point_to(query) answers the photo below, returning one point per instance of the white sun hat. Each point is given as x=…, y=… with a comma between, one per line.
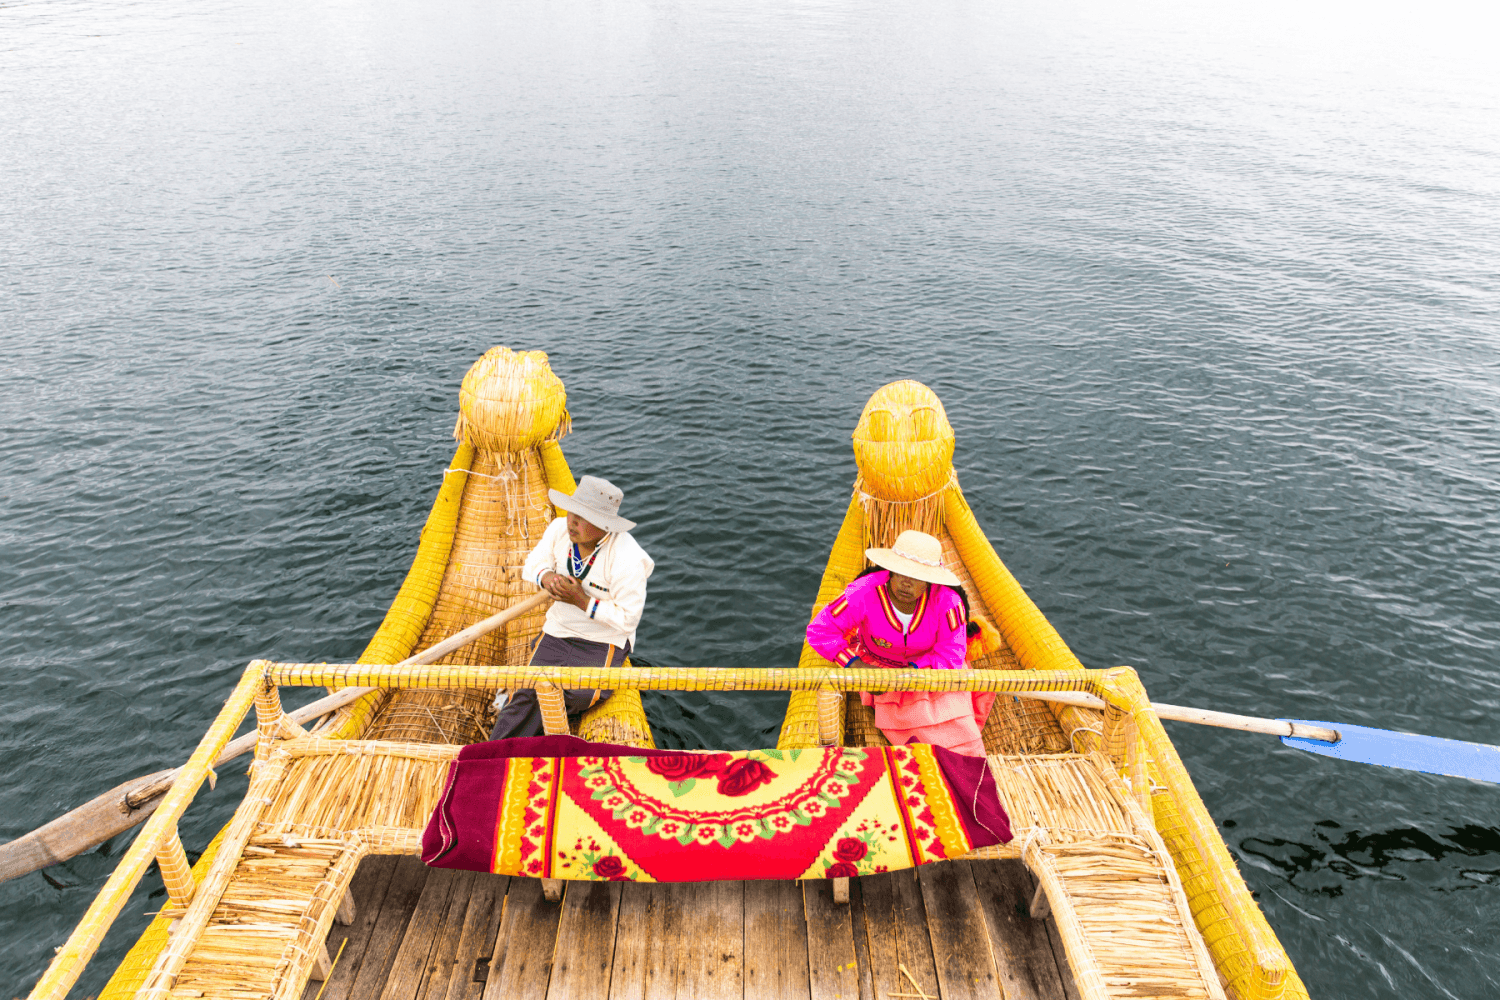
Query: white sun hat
x=595, y=500
x=916, y=554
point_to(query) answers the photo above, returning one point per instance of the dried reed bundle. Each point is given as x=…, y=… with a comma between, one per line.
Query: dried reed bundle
x=903, y=445
x=1123, y=921
x=511, y=401
x=620, y=718
x=345, y=789
x=1066, y=797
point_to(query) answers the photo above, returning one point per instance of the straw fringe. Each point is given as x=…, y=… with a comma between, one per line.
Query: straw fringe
x=265, y=904
x=1119, y=905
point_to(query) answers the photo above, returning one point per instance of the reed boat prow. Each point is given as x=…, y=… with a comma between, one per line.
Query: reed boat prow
x=1114, y=883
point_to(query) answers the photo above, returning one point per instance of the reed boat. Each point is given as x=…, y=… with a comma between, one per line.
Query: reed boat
x=1113, y=883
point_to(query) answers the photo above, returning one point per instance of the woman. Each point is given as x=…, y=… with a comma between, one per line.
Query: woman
x=908, y=612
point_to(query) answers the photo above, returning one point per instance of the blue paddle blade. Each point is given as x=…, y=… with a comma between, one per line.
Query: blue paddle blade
x=1431, y=754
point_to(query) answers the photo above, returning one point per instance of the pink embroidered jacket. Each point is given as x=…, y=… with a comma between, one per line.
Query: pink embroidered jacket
x=862, y=622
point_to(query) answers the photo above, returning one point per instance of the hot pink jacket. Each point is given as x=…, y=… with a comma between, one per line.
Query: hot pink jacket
x=862, y=622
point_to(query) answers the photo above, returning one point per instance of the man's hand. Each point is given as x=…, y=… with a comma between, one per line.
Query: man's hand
x=566, y=589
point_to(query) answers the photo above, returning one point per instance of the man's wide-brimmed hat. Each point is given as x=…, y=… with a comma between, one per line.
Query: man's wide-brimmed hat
x=597, y=501
x=916, y=554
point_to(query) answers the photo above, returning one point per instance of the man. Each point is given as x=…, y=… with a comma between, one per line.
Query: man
x=597, y=573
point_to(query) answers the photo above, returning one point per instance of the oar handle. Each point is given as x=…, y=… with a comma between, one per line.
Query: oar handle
x=1203, y=717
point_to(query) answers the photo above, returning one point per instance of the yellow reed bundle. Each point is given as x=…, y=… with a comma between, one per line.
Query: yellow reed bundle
x=341, y=787
x=903, y=445
x=511, y=401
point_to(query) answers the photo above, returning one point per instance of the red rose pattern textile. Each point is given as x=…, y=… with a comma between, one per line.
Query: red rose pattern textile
x=559, y=807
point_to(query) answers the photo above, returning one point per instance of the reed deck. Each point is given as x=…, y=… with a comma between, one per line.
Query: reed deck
x=960, y=929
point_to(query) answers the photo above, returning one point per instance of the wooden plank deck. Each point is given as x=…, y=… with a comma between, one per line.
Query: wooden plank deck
x=956, y=931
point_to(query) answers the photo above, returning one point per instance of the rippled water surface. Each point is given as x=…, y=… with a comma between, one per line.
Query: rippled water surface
x=1211, y=300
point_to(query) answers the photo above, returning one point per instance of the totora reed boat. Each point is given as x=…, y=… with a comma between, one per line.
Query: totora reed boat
x=1113, y=883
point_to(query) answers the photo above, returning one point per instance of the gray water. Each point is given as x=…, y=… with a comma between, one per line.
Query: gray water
x=1211, y=298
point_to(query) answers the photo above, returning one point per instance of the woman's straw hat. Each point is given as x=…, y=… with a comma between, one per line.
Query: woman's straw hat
x=597, y=501
x=916, y=554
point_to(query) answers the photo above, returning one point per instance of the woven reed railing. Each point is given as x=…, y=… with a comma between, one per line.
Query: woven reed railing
x=1132, y=736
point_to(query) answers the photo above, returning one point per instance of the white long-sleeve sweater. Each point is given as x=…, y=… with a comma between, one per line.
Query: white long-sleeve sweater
x=616, y=586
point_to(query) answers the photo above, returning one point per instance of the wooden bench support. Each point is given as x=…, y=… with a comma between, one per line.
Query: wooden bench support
x=552, y=889
x=841, y=891
x=347, y=912
x=322, y=964
x=1040, y=909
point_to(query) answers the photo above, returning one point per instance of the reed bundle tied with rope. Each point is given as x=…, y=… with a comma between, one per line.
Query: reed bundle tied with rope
x=511, y=401
x=903, y=445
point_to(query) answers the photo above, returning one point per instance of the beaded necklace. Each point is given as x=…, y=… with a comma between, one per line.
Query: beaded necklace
x=578, y=564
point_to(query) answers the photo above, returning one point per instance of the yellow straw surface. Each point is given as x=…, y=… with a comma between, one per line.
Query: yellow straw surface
x=511, y=401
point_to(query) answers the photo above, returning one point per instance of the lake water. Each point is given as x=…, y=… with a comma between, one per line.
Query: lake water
x=1211, y=298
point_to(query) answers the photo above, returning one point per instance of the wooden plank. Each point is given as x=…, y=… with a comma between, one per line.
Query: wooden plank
x=775, y=941
x=445, y=939
x=832, y=973
x=368, y=887
x=955, y=925
x=643, y=967
x=407, y=882
x=476, y=942
x=412, y=966
x=529, y=929
x=585, y=941
x=1069, y=984
x=896, y=924
x=708, y=922
x=861, y=940
x=1023, y=954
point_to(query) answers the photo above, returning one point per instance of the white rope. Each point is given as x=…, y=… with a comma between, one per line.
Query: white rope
x=1083, y=729
x=951, y=483
x=516, y=500
x=974, y=806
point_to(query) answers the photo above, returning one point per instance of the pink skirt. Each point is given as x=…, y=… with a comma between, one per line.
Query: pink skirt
x=949, y=719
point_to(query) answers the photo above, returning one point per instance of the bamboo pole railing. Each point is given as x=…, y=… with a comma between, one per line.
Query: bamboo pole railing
x=455, y=677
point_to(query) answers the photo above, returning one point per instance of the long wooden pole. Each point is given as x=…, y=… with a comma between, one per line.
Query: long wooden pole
x=132, y=802
x=458, y=640
x=1200, y=716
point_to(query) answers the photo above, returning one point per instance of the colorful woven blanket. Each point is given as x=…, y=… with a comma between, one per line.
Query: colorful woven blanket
x=561, y=807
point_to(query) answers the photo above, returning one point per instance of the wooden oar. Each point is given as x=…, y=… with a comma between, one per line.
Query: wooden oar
x=1408, y=751
x=1203, y=717
x=128, y=804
